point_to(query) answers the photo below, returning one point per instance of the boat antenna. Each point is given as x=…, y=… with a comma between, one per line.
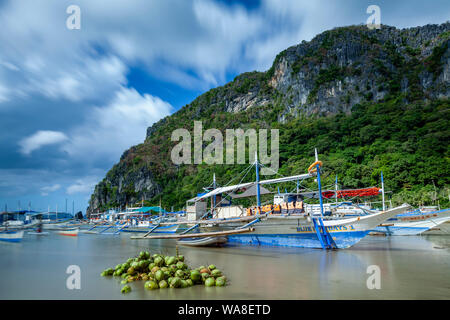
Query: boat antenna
x=382, y=191
x=258, y=193
x=214, y=197
x=318, y=181
x=336, y=188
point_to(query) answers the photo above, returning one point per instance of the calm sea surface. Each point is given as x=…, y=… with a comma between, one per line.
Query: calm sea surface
x=412, y=267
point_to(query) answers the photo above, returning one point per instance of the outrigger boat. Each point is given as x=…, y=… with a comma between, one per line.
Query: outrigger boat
x=414, y=223
x=69, y=232
x=262, y=226
x=11, y=236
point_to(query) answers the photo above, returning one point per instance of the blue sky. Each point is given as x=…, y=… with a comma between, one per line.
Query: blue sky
x=71, y=101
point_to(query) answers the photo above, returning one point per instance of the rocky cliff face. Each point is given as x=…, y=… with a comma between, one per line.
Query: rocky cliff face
x=123, y=186
x=327, y=75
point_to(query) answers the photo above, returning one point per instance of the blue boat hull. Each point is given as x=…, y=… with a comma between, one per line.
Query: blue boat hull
x=10, y=240
x=300, y=240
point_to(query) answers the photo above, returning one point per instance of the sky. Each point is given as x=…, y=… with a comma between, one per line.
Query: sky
x=73, y=100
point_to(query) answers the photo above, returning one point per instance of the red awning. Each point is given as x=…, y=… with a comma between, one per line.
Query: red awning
x=366, y=192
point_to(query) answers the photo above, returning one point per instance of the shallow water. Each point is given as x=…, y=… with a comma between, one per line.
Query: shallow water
x=412, y=267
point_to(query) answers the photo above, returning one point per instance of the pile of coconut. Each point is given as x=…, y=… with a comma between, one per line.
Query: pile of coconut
x=159, y=272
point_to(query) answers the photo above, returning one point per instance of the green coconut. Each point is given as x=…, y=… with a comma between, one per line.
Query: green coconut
x=170, y=261
x=216, y=273
x=130, y=270
x=181, y=265
x=190, y=282
x=195, y=276
x=159, y=261
x=205, y=276
x=163, y=284
x=159, y=275
x=210, y=282
x=169, y=280
x=179, y=273
x=173, y=267
x=124, y=281
x=211, y=267
x=154, y=269
x=180, y=258
x=221, y=281
x=175, y=282
x=151, y=285
x=184, y=284
x=126, y=289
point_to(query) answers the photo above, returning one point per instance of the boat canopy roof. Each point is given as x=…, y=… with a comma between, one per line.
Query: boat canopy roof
x=148, y=209
x=364, y=192
x=239, y=189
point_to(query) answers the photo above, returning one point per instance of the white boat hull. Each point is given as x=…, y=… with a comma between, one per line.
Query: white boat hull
x=11, y=236
x=415, y=224
x=70, y=233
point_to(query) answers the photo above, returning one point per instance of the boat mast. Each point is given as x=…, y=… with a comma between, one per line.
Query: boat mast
x=318, y=183
x=214, y=197
x=382, y=191
x=258, y=194
x=336, y=188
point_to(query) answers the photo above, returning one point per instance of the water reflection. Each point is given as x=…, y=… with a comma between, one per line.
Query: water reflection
x=411, y=268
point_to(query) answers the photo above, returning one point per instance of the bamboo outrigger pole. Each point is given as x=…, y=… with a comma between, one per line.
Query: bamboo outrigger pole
x=196, y=235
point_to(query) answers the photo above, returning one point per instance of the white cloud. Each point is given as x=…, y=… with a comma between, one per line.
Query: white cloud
x=111, y=129
x=190, y=43
x=48, y=189
x=4, y=92
x=39, y=139
x=84, y=186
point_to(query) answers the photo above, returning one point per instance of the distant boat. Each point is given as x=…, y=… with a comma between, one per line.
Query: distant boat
x=144, y=229
x=38, y=233
x=69, y=232
x=202, y=242
x=11, y=236
x=414, y=223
